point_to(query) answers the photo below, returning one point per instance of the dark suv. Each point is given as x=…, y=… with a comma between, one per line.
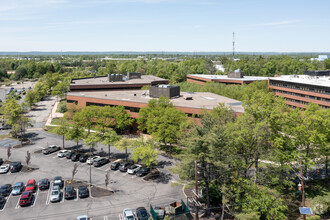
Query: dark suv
x=124, y=166
x=5, y=190
x=15, y=167
x=100, y=161
x=75, y=156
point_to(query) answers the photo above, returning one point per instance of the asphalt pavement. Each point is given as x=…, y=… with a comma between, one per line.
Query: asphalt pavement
x=130, y=190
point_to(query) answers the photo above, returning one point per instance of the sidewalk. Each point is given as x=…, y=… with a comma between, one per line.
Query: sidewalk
x=53, y=114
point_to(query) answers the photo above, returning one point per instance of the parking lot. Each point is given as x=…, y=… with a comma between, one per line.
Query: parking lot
x=130, y=191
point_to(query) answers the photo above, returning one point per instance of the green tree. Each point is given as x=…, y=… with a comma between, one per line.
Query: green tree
x=110, y=137
x=76, y=132
x=86, y=117
x=62, y=129
x=145, y=152
x=124, y=144
x=61, y=89
x=162, y=120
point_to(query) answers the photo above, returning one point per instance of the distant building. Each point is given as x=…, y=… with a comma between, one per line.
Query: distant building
x=134, y=100
x=321, y=58
x=300, y=90
x=115, y=82
x=236, y=77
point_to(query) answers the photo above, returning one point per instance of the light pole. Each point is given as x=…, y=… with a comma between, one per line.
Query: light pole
x=301, y=184
x=196, y=190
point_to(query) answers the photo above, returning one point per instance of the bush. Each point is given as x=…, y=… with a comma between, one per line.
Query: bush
x=315, y=217
x=321, y=204
x=62, y=107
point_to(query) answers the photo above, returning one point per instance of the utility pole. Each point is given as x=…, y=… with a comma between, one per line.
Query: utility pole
x=196, y=190
x=233, y=44
x=302, y=182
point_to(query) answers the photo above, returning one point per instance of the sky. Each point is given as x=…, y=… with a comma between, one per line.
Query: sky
x=165, y=25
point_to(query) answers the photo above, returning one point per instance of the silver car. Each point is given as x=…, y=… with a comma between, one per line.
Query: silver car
x=17, y=189
x=55, y=195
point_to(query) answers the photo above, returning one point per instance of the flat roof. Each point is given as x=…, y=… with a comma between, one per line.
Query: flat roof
x=200, y=100
x=223, y=77
x=104, y=80
x=305, y=79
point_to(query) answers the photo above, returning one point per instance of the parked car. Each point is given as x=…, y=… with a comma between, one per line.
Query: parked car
x=26, y=198
x=50, y=149
x=75, y=156
x=141, y=213
x=115, y=165
x=68, y=155
x=15, y=167
x=69, y=192
x=143, y=171
x=10, y=90
x=1, y=161
x=91, y=159
x=4, y=168
x=5, y=190
x=133, y=169
x=62, y=153
x=5, y=127
x=2, y=200
x=100, y=161
x=83, y=192
x=83, y=158
x=124, y=166
x=128, y=214
x=58, y=181
x=83, y=217
x=31, y=185
x=18, y=189
x=55, y=195
x=44, y=184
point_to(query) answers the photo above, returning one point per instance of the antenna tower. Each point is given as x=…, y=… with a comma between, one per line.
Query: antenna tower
x=233, y=44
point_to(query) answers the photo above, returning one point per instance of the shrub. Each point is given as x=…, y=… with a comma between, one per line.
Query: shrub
x=62, y=107
x=321, y=204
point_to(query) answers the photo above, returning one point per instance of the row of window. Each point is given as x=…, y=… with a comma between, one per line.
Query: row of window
x=131, y=109
x=303, y=87
x=302, y=95
x=304, y=103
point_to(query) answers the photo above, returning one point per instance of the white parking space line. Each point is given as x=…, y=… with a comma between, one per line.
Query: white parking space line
x=105, y=217
x=6, y=203
x=63, y=193
x=35, y=198
x=55, y=156
x=76, y=199
x=48, y=193
x=17, y=205
x=41, y=147
x=8, y=173
x=121, y=216
x=63, y=158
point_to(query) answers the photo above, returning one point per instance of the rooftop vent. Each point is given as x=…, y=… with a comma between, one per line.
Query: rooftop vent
x=166, y=91
x=236, y=74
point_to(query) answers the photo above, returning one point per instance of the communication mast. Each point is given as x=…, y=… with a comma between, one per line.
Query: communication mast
x=233, y=44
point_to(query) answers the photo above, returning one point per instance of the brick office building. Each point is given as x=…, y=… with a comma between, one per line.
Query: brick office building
x=236, y=78
x=133, y=100
x=115, y=82
x=300, y=90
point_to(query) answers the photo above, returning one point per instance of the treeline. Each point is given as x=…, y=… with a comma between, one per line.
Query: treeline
x=228, y=151
x=238, y=92
x=174, y=71
x=273, y=65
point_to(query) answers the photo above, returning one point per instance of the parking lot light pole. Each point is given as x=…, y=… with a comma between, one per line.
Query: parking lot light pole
x=90, y=167
x=302, y=183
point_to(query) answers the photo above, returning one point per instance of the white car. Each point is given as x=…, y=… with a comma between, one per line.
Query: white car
x=55, y=194
x=83, y=217
x=91, y=159
x=4, y=168
x=62, y=153
x=128, y=214
x=133, y=169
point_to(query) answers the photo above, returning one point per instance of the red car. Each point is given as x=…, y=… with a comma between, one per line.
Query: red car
x=31, y=186
x=26, y=198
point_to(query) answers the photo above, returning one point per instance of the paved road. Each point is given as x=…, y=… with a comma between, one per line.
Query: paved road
x=130, y=191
